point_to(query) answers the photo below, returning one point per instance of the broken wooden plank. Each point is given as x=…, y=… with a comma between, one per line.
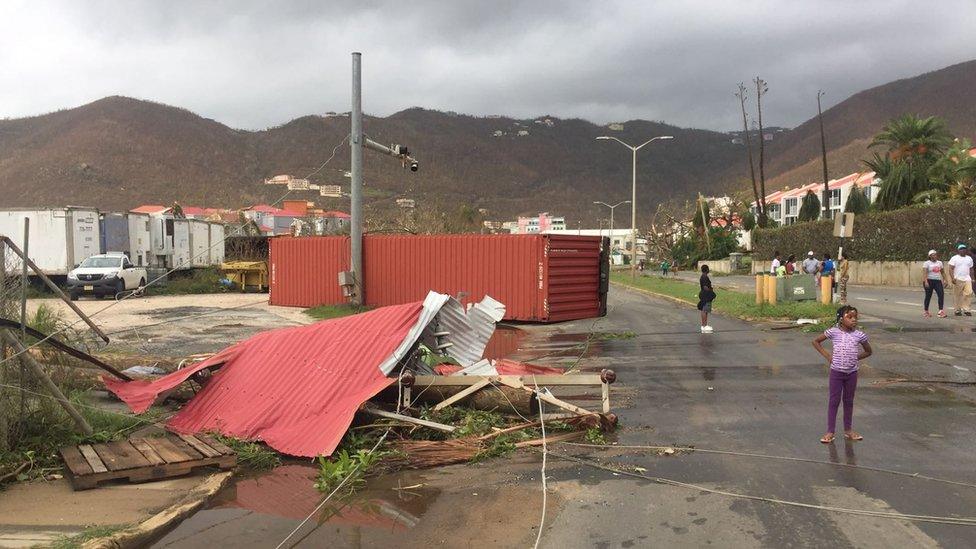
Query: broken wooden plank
x=546, y=397
x=561, y=437
x=216, y=444
x=549, y=379
x=408, y=419
x=605, y=397
x=199, y=446
x=147, y=451
x=463, y=393
x=92, y=458
x=75, y=461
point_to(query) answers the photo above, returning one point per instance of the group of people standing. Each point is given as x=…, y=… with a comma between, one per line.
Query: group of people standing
x=838, y=271
x=959, y=275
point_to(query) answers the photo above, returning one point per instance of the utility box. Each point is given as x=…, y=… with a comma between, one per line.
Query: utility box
x=799, y=287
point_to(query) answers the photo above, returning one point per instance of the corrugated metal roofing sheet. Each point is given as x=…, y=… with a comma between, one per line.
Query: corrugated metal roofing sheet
x=297, y=388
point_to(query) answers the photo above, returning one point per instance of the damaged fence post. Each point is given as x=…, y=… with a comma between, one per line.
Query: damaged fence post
x=28, y=360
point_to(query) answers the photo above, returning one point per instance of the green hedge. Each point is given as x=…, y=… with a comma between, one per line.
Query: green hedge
x=900, y=235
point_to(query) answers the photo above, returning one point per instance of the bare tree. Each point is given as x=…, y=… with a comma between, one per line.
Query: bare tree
x=760, y=198
x=761, y=89
x=669, y=223
x=823, y=151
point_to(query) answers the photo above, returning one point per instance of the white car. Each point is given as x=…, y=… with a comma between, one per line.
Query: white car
x=106, y=274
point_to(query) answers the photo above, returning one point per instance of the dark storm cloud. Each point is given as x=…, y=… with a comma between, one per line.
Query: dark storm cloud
x=253, y=65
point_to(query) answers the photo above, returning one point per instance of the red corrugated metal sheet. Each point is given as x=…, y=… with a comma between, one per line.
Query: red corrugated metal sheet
x=304, y=271
x=537, y=277
x=297, y=389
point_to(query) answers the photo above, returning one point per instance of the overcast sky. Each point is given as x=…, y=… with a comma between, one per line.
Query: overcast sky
x=259, y=64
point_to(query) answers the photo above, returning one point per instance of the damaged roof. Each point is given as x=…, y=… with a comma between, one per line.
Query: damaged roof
x=297, y=389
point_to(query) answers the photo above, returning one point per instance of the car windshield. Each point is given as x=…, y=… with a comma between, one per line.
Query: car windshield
x=101, y=262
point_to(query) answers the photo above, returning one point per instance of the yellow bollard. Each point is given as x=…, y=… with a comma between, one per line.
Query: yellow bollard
x=826, y=290
x=760, y=286
x=771, y=290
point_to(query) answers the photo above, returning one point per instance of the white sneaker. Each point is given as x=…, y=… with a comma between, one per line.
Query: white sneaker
x=708, y=329
x=703, y=330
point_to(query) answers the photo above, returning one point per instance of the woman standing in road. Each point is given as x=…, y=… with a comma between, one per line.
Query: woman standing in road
x=933, y=280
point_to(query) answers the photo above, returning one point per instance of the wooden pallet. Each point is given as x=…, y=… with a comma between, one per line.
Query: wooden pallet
x=143, y=459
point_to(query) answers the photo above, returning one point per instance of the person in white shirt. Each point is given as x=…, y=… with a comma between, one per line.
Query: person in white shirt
x=933, y=275
x=776, y=263
x=961, y=276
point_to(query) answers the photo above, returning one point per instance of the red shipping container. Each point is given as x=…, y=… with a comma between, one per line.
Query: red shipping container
x=545, y=278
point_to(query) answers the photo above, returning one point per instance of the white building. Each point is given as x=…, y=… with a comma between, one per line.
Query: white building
x=784, y=206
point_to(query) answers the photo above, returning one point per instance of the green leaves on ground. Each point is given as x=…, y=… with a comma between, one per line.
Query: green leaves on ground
x=251, y=455
x=346, y=470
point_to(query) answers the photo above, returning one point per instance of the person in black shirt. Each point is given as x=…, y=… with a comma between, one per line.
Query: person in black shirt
x=705, y=297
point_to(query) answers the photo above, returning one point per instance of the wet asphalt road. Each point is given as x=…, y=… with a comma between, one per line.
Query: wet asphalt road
x=743, y=388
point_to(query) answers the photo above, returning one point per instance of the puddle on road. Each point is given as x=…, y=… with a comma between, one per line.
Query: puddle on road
x=389, y=503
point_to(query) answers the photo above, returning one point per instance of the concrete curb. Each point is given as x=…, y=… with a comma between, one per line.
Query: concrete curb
x=141, y=534
x=655, y=294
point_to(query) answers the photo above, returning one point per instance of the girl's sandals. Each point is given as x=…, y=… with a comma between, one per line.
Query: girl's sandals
x=853, y=436
x=827, y=439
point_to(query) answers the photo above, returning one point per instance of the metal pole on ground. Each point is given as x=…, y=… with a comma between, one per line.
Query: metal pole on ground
x=24, y=283
x=356, y=194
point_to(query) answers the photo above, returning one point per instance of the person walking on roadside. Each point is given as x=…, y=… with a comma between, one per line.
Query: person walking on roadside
x=665, y=265
x=843, y=272
x=933, y=277
x=847, y=343
x=775, y=264
x=705, y=297
x=961, y=277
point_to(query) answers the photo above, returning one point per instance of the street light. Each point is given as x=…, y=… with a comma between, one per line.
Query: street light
x=633, y=203
x=611, y=217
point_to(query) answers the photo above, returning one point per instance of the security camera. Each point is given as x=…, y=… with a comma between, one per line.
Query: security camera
x=414, y=166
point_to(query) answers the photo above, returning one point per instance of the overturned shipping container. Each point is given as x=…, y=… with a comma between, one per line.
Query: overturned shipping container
x=542, y=278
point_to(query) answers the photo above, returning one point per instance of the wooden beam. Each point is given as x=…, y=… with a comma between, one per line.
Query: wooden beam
x=605, y=398
x=54, y=287
x=400, y=417
x=461, y=394
x=552, y=380
x=546, y=397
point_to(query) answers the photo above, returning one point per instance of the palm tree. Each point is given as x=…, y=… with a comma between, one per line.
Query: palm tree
x=913, y=146
x=912, y=138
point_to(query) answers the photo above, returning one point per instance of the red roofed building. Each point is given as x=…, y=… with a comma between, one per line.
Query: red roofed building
x=784, y=206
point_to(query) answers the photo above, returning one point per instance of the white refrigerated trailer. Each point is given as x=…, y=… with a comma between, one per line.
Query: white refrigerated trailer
x=60, y=238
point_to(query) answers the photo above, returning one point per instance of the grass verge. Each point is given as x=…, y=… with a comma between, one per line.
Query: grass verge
x=729, y=302
x=90, y=533
x=325, y=312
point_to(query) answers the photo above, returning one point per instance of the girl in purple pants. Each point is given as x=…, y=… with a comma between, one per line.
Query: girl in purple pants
x=847, y=343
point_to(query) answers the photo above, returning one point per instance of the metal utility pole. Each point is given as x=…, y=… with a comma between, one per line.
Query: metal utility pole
x=823, y=150
x=358, y=141
x=611, y=217
x=633, y=203
x=356, y=193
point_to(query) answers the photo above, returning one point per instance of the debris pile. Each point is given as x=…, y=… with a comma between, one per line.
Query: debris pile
x=298, y=389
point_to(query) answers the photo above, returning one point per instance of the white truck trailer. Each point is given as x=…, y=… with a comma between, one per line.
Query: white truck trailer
x=60, y=238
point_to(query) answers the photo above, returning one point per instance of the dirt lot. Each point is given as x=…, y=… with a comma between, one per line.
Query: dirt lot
x=179, y=326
